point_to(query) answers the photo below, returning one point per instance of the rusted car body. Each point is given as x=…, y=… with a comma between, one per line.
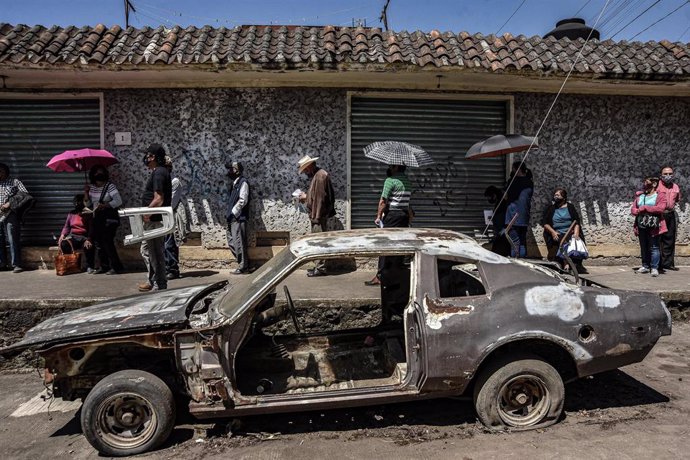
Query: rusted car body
x=455, y=319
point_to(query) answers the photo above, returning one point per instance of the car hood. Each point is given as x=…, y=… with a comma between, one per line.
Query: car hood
x=144, y=312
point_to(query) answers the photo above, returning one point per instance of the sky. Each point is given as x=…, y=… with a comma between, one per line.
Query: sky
x=528, y=17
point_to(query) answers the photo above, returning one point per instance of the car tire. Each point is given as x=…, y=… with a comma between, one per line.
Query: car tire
x=522, y=393
x=127, y=413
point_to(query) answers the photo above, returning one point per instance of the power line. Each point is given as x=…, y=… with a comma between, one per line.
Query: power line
x=616, y=9
x=659, y=20
x=627, y=12
x=511, y=17
x=683, y=34
x=581, y=8
x=636, y=18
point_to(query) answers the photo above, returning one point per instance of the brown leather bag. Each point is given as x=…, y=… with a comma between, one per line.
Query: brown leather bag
x=67, y=264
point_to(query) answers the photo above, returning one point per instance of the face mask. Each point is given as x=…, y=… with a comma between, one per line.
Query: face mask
x=667, y=178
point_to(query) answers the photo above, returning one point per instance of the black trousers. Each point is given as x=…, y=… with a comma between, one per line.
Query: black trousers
x=105, y=242
x=668, y=241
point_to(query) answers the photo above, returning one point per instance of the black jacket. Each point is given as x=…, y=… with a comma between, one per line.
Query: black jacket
x=21, y=203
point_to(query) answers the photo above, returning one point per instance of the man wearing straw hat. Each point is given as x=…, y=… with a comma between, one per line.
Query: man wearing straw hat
x=319, y=200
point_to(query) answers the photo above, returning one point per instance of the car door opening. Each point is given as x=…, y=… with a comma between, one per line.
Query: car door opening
x=309, y=337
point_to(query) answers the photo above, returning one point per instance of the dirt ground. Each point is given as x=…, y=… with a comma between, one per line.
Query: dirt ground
x=640, y=411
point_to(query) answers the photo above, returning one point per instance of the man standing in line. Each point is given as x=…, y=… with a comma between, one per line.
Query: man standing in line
x=157, y=193
x=668, y=239
x=172, y=249
x=395, y=199
x=237, y=216
x=10, y=220
x=320, y=202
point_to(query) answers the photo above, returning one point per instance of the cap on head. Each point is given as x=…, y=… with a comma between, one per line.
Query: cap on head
x=305, y=161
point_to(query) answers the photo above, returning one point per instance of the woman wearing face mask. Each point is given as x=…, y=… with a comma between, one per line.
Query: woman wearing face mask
x=557, y=219
x=104, y=199
x=667, y=241
x=648, y=208
x=76, y=234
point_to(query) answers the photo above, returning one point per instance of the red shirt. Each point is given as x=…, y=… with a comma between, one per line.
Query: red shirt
x=672, y=194
x=77, y=224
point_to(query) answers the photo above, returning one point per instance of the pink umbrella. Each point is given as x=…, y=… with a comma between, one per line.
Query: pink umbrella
x=81, y=160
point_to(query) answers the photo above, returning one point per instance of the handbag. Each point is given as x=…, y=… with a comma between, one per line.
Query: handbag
x=576, y=249
x=108, y=215
x=67, y=264
x=648, y=221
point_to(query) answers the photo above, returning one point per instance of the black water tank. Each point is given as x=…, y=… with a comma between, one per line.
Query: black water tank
x=572, y=28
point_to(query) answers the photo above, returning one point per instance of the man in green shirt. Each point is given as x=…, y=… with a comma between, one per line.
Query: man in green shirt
x=394, y=205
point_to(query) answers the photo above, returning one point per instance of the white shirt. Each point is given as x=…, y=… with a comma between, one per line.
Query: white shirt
x=176, y=193
x=244, y=196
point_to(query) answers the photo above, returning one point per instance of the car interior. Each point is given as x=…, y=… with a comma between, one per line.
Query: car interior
x=458, y=279
x=306, y=336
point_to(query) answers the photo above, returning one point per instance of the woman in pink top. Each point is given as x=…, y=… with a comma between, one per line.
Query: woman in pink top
x=76, y=234
x=648, y=209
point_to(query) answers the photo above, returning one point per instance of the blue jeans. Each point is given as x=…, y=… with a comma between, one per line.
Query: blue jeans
x=9, y=230
x=649, y=249
x=172, y=255
x=518, y=236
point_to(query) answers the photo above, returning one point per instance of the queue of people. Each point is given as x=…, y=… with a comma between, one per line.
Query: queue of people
x=92, y=225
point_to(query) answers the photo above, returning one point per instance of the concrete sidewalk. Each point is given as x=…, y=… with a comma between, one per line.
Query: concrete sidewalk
x=43, y=286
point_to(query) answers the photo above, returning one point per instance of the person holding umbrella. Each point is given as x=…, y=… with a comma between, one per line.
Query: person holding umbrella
x=104, y=199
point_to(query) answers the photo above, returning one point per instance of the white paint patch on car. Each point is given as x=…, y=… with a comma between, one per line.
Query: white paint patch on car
x=560, y=300
x=435, y=320
x=608, y=301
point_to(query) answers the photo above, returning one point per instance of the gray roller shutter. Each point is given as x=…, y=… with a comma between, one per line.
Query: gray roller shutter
x=31, y=132
x=449, y=194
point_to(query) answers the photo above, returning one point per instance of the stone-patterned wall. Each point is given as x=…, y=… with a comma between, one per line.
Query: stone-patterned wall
x=599, y=148
x=202, y=129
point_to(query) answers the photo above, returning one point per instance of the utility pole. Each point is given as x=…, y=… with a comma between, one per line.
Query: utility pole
x=384, y=15
x=128, y=6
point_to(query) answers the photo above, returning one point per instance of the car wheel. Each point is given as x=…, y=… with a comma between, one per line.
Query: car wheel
x=520, y=393
x=127, y=413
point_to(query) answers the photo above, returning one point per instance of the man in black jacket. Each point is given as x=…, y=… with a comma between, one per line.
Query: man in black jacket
x=13, y=198
x=237, y=215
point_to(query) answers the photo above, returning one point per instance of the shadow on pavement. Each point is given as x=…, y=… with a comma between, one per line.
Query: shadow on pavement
x=199, y=273
x=609, y=389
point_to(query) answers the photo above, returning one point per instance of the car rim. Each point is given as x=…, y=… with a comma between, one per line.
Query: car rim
x=523, y=401
x=126, y=420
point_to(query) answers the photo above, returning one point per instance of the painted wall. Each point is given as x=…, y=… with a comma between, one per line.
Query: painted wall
x=597, y=147
x=268, y=130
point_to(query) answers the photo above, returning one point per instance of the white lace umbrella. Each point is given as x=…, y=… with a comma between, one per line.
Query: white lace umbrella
x=398, y=153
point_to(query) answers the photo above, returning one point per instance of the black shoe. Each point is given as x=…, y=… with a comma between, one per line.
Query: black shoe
x=314, y=273
x=172, y=276
x=240, y=271
x=674, y=269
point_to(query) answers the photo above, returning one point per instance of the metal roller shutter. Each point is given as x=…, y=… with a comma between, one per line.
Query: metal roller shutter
x=449, y=194
x=31, y=132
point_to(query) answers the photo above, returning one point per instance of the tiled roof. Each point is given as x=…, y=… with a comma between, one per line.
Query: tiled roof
x=285, y=47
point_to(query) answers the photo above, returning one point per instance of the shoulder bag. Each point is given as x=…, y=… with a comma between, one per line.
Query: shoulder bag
x=67, y=264
x=647, y=220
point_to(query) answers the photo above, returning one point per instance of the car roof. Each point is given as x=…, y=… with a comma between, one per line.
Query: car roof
x=426, y=240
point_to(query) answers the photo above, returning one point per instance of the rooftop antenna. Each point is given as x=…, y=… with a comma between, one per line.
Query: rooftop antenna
x=384, y=15
x=128, y=6
x=359, y=22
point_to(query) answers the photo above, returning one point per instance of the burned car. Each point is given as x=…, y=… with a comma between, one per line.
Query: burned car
x=449, y=318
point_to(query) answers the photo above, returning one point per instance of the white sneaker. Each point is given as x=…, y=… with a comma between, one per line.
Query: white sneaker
x=655, y=272
x=642, y=270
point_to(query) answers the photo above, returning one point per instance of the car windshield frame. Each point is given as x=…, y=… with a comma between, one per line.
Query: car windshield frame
x=246, y=288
